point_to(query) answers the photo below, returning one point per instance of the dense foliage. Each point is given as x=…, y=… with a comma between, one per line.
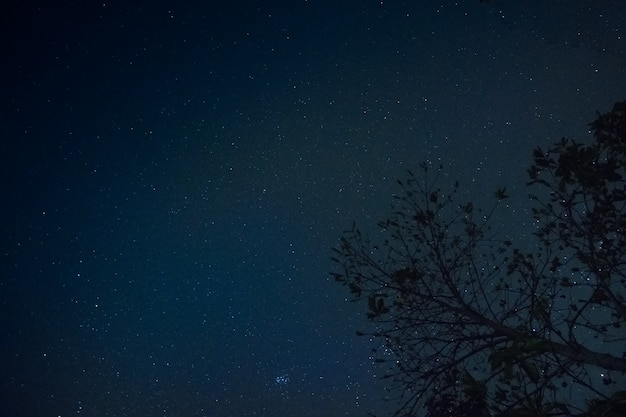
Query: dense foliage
x=473, y=325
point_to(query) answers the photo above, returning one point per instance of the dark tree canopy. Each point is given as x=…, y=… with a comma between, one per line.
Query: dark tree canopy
x=471, y=325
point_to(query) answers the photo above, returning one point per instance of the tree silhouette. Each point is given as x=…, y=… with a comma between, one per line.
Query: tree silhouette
x=472, y=325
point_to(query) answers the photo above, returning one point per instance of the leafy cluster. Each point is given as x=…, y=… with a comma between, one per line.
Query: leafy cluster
x=472, y=325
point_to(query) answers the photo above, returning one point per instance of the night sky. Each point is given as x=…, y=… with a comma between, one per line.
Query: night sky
x=175, y=174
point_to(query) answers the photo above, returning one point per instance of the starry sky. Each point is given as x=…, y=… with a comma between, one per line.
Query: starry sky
x=175, y=174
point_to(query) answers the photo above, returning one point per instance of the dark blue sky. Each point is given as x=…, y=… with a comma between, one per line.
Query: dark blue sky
x=174, y=176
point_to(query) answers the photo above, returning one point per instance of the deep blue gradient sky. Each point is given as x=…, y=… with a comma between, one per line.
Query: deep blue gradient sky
x=174, y=175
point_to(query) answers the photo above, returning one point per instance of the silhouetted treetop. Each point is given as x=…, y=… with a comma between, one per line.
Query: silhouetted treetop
x=468, y=323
